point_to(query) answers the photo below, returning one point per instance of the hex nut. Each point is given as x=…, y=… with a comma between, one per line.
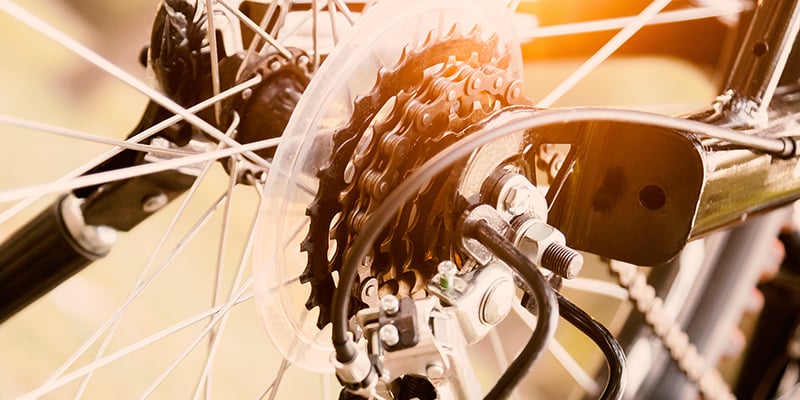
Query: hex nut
x=535, y=237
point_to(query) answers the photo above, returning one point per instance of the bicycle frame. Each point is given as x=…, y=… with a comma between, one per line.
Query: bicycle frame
x=624, y=206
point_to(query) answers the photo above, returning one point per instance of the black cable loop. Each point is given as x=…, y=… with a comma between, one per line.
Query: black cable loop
x=615, y=356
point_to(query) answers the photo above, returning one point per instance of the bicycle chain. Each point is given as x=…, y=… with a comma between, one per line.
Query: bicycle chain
x=432, y=94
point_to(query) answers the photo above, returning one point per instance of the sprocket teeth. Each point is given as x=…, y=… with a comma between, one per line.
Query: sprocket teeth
x=429, y=39
x=452, y=33
x=476, y=31
x=422, y=106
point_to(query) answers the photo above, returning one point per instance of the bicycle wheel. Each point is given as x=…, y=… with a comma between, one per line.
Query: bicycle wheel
x=67, y=305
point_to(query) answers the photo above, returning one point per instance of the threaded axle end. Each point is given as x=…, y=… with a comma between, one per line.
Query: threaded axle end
x=562, y=260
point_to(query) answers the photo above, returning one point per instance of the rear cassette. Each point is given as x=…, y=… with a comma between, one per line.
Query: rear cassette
x=326, y=183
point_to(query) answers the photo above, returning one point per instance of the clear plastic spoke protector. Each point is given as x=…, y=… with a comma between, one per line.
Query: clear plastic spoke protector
x=376, y=40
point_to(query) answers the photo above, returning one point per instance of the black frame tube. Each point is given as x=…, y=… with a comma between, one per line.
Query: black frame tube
x=37, y=258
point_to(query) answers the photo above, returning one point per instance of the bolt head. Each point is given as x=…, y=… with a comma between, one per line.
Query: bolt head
x=435, y=370
x=390, y=304
x=518, y=200
x=154, y=202
x=389, y=335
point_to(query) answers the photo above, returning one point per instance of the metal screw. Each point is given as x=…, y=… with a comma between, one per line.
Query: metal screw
x=390, y=304
x=435, y=370
x=154, y=202
x=447, y=271
x=302, y=60
x=518, y=200
x=274, y=65
x=562, y=260
x=389, y=335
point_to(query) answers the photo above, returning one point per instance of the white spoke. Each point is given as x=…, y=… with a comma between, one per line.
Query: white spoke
x=573, y=368
x=310, y=15
x=345, y=10
x=500, y=354
x=597, y=286
x=272, y=388
x=135, y=139
x=719, y=9
x=315, y=32
x=131, y=172
x=77, y=374
x=214, y=54
x=144, y=280
x=295, y=234
x=67, y=42
x=70, y=133
x=216, y=335
x=257, y=29
x=139, y=287
x=332, y=15
x=606, y=51
x=257, y=39
x=217, y=316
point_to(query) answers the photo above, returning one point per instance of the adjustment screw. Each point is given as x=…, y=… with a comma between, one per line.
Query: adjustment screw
x=562, y=260
x=389, y=335
x=154, y=202
x=390, y=304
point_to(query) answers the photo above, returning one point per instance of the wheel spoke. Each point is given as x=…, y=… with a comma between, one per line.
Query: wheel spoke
x=87, y=137
x=69, y=43
x=272, y=388
x=141, y=136
x=718, y=9
x=606, y=51
x=332, y=14
x=220, y=313
x=315, y=32
x=131, y=172
x=562, y=355
x=251, y=48
x=500, y=355
x=241, y=297
x=214, y=55
x=257, y=29
x=143, y=281
x=345, y=10
x=597, y=286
